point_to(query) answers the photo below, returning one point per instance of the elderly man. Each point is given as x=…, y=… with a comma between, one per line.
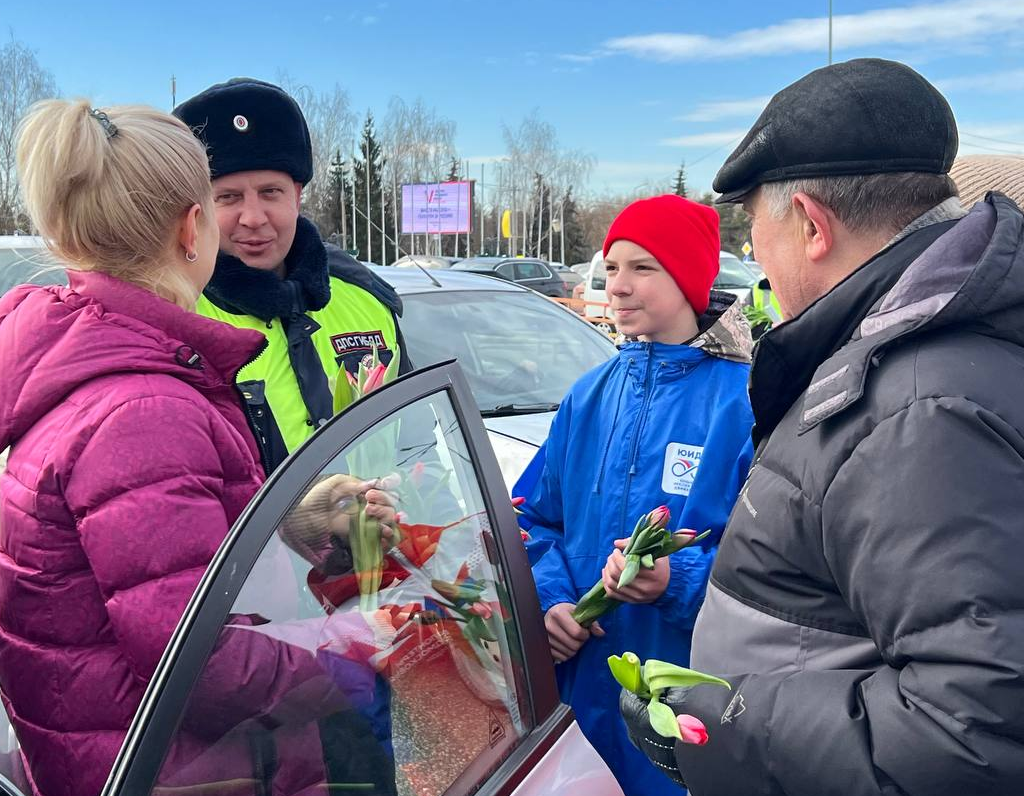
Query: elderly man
x=867, y=602
x=320, y=310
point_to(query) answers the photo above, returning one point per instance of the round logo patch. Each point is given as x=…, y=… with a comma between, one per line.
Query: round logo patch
x=241, y=123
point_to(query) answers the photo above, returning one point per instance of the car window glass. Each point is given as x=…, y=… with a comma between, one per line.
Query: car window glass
x=507, y=270
x=530, y=270
x=599, y=279
x=352, y=664
x=21, y=266
x=495, y=337
x=733, y=273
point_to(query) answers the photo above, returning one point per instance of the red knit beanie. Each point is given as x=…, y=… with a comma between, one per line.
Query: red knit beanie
x=683, y=237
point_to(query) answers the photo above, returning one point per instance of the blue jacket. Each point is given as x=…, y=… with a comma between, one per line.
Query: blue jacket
x=660, y=424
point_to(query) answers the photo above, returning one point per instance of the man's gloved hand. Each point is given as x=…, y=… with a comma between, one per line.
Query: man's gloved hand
x=659, y=749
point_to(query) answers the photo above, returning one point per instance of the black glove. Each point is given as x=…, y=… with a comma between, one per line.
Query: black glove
x=659, y=749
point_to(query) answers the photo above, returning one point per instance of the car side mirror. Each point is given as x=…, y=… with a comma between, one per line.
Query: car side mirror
x=764, y=284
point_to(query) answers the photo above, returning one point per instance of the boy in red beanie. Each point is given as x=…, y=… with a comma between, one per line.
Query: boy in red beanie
x=665, y=423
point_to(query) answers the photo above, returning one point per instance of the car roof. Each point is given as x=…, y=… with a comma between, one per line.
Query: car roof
x=413, y=280
x=21, y=242
x=490, y=263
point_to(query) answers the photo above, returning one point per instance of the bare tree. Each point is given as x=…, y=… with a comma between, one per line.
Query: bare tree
x=332, y=125
x=419, y=145
x=22, y=81
x=536, y=176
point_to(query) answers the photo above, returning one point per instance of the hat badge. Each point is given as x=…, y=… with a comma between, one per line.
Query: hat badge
x=241, y=123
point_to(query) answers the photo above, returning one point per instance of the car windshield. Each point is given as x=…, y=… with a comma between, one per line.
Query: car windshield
x=518, y=350
x=733, y=272
x=19, y=266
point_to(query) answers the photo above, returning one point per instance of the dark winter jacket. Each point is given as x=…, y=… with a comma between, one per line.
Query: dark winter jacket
x=867, y=601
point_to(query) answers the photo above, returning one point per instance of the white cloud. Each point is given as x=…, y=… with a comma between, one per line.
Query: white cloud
x=726, y=109
x=576, y=59
x=720, y=138
x=911, y=25
x=992, y=82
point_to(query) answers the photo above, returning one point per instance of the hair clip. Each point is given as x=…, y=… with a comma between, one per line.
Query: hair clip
x=108, y=126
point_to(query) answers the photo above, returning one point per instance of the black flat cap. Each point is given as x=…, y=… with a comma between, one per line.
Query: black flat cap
x=866, y=116
x=249, y=125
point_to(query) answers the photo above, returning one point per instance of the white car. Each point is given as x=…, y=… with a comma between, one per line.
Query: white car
x=520, y=352
x=438, y=679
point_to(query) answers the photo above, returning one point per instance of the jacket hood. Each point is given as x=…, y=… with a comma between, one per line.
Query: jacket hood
x=54, y=339
x=725, y=332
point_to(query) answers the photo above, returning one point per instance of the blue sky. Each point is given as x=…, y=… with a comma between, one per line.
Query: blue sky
x=639, y=85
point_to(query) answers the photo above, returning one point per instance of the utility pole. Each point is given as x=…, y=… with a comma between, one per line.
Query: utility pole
x=830, y=32
x=338, y=173
x=174, y=93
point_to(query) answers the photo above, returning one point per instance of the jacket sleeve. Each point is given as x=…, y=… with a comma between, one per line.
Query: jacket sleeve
x=146, y=491
x=541, y=518
x=921, y=529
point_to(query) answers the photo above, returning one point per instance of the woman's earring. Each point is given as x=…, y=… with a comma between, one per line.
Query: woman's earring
x=191, y=257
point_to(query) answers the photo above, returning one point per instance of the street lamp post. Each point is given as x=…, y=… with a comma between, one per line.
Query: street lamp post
x=338, y=173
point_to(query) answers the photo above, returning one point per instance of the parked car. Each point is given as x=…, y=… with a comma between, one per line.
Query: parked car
x=424, y=261
x=401, y=688
x=569, y=277
x=534, y=274
x=517, y=376
x=736, y=277
x=418, y=699
x=25, y=258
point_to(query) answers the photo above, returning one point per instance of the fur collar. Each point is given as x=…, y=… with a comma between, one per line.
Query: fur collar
x=242, y=290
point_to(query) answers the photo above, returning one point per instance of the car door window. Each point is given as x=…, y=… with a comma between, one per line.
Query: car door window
x=506, y=270
x=348, y=661
x=529, y=270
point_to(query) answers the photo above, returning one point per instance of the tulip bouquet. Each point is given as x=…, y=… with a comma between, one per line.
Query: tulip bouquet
x=372, y=455
x=647, y=681
x=649, y=541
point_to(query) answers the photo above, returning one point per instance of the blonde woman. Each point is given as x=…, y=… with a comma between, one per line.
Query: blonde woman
x=130, y=451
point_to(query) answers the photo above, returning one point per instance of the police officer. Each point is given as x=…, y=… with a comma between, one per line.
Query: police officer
x=320, y=309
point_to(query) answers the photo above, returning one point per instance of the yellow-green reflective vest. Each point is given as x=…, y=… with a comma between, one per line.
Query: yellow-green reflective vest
x=351, y=324
x=772, y=309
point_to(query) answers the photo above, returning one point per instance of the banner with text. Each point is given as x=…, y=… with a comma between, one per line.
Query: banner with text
x=437, y=207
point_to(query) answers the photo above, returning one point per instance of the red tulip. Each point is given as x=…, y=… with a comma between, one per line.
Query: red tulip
x=518, y=501
x=483, y=610
x=659, y=517
x=416, y=474
x=692, y=729
x=374, y=379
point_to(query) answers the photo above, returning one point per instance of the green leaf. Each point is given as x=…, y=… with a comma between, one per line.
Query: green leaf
x=631, y=570
x=376, y=358
x=647, y=561
x=392, y=370
x=626, y=671
x=663, y=720
x=661, y=674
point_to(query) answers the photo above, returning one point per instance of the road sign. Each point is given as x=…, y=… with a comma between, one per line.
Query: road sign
x=746, y=249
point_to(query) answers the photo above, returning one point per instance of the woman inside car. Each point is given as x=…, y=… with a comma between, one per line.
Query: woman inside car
x=130, y=456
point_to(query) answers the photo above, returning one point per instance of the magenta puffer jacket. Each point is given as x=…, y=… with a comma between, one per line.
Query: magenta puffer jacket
x=130, y=459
